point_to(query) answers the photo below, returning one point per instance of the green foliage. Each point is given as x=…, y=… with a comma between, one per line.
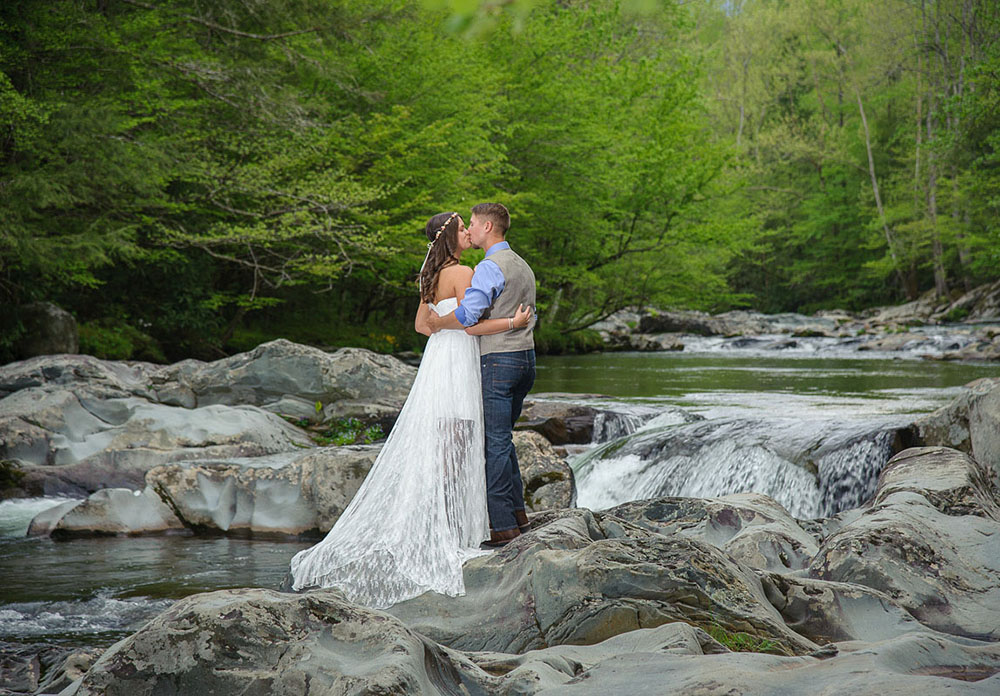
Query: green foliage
x=10, y=474
x=348, y=431
x=742, y=642
x=554, y=342
x=112, y=339
x=191, y=179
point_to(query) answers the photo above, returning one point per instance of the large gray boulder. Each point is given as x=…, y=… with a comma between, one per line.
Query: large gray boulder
x=581, y=577
x=930, y=541
x=75, y=424
x=558, y=421
x=751, y=527
x=289, y=378
x=547, y=478
x=903, y=666
x=261, y=642
x=48, y=329
x=253, y=641
x=287, y=495
x=116, y=512
x=67, y=443
x=971, y=423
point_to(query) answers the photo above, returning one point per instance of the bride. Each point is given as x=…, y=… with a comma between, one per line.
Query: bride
x=421, y=511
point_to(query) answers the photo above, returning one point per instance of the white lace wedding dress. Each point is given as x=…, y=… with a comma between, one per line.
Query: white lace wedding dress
x=421, y=511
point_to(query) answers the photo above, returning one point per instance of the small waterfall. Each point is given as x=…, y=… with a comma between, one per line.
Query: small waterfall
x=847, y=476
x=611, y=425
x=16, y=514
x=812, y=468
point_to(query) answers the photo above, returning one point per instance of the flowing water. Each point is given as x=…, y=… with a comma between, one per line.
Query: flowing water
x=811, y=431
x=812, y=427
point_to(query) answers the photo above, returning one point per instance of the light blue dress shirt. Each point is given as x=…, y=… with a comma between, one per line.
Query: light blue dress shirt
x=487, y=284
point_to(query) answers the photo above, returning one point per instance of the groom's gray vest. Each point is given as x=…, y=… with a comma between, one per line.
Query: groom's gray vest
x=518, y=289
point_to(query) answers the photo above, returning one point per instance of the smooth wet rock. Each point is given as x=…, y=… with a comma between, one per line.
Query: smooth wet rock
x=753, y=528
x=72, y=445
x=930, y=541
x=254, y=641
x=95, y=377
x=116, y=512
x=971, y=423
x=44, y=522
x=293, y=494
x=579, y=578
x=646, y=343
x=558, y=421
x=903, y=666
x=547, y=478
x=19, y=671
x=66, y=670
x=275, y=374
x=829, y=612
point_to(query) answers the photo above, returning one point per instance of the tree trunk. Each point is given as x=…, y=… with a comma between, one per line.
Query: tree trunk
x=890, y=242
x=937, y=249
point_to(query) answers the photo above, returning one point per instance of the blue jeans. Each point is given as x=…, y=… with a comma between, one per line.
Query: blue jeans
x=507, y=379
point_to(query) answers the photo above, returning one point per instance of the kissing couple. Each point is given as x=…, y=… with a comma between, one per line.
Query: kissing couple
x=446, y=485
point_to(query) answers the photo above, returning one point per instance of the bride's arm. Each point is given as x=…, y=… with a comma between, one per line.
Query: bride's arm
x=420, y=324
x=491, y=326
x=521, y=318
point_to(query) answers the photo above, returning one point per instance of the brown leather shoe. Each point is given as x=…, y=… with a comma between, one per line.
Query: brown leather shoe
x=498, y=539
x=523, y=524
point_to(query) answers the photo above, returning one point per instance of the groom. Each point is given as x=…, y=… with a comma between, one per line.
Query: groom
x=501, y=283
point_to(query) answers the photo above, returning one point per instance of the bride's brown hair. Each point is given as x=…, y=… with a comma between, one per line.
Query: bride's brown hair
x=442, y=232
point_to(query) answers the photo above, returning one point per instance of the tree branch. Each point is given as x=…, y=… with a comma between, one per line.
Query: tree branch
x=229, y=30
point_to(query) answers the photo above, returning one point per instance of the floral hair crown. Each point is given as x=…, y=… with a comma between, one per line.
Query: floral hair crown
x=441, y=228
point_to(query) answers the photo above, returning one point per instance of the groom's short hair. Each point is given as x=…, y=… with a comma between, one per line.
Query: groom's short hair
x=496, y=213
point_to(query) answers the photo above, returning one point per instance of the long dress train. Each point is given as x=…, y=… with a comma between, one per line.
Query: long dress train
x=421, y=511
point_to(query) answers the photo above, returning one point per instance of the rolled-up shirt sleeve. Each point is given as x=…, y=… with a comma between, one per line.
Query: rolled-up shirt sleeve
x=487, y=283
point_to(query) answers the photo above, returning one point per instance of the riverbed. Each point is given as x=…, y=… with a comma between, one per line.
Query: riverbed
x=92, y=592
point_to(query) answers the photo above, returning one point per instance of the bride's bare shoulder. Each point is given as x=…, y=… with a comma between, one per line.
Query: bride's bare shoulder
x=457, y=273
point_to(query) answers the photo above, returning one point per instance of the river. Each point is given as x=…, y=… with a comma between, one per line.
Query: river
x=702, y=424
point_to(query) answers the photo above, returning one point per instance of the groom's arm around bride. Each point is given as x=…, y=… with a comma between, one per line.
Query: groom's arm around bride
x=500, y=284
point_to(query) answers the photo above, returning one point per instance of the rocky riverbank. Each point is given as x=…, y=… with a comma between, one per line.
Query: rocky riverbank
x=902, y=596
x=708, y=595
x=966, y=327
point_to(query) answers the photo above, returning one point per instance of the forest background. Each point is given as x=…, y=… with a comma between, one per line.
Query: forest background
x=190, y=178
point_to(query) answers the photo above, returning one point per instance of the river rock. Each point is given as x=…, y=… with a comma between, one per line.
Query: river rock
x=903, y=666
x=253, y=641
x=979, y=304
x=930, y=541
x=647, y=343
x=971, y=423
x=579, y=578
x=48, y=329
x=66, y=670
x=44, y=522
x=681, y=322
x=753, y=528
x=258, y=641
x=829, y=612
x=116, y=512
x=547, y=478
x=69, y=444
x=292, y=494
x=88, y=375
x=981, y=347
x=275, y=372
x=560, y=422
